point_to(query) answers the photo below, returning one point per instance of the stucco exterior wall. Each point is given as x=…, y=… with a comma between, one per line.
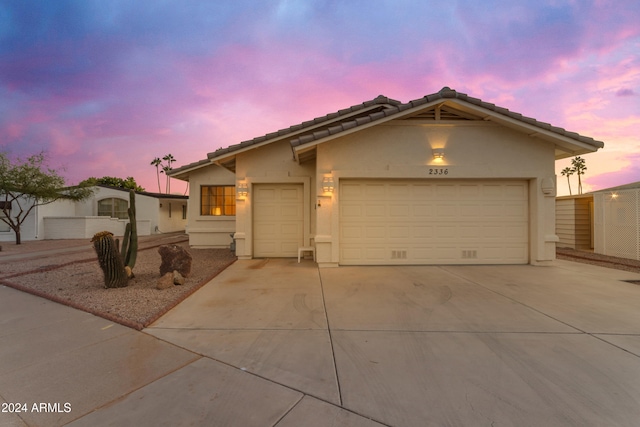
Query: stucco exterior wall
x=208, y=231
x=272, y=164
x=396, y=150
x=85, y=227
x=471, y=151
x=170, y=216
x=33, y=227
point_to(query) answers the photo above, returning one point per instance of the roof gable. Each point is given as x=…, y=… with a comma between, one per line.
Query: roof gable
x=447, y=105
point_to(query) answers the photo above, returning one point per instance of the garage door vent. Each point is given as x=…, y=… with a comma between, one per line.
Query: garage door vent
x=471, y=254
x=398, y=254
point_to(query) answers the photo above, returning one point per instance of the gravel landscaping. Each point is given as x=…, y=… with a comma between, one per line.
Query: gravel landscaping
x=76, y=280
x=587, y=257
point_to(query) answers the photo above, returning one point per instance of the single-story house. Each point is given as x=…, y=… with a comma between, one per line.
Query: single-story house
x=443, y=179
x=106, y=210
x=617, y=221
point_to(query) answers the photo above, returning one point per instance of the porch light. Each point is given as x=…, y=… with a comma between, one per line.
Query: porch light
x=327, y=184
x=243, y=189
x=438, y=154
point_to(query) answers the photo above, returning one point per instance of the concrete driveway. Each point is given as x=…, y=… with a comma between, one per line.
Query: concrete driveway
x=277, y=343
x=419, y=346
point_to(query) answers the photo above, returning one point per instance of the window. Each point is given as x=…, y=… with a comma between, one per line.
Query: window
x=217, y=200
x=115, y=208
x=184, y=211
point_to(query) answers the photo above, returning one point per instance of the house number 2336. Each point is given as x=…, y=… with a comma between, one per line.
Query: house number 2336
x=438, y=171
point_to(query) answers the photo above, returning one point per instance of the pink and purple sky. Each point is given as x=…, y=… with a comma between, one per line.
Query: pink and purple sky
x=105, y=86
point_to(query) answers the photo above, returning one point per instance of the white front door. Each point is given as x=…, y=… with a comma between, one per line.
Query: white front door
x=278, y=220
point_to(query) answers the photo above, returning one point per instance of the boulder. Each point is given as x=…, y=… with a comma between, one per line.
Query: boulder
x=178, y=279
x=165, y=282
x=176, y=258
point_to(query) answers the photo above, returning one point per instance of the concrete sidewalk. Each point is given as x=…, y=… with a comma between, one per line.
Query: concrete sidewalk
x=277, y=343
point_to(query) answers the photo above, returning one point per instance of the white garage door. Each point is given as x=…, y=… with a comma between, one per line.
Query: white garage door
x=277, y=220
x=433, y=222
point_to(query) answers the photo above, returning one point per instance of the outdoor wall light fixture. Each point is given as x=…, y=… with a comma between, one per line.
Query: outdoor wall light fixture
x=243, y=189
x=438, y=154
x=327, y=184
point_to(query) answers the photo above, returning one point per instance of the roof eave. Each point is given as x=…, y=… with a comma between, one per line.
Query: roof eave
x=183, y=172
x=228, y=153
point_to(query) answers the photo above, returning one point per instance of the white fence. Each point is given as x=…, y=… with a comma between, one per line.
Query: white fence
x=616, y=223
x=86, y=226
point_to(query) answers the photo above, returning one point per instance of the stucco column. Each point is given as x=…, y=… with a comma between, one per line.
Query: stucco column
x=545, y=227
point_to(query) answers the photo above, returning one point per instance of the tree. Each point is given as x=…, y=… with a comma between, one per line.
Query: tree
x=578, y=168
x=25, y=184
x=567, y=172
x=157, y=163
x=129, y=183
x=169, y=159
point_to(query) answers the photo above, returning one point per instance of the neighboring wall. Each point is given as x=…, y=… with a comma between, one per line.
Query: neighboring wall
x=33, y=227
x=84, y=227
x=574, y=222
x=616, y=223
x=171, y=215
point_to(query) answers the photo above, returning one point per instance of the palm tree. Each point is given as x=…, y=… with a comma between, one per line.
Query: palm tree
x=169, y=159
x=567, y=172
x=157, y=162
x=579, y=167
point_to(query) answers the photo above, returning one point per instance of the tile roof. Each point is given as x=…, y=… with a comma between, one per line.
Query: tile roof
x=374, y=110
x=444, y=94
x=381, y=101
x=194, y=165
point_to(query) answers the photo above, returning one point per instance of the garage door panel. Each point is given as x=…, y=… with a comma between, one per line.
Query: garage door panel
x=290, y=212
x=398, y=192
x=289, y=194
x=399, y=211
x=349, y=210
x=423, y=232
x=375, y=211
x=428, y=222
x=516, y=192
x=422, y=191
x=447, y=191
x=352, y=232
x=515, y=210
x=445, y=211
x=399, y=232
x=470, y=191
x=471, y=232
x=422, y=211
x=376, y=232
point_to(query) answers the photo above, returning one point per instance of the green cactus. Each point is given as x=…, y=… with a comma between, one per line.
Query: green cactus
x=117, y=264
x=129, y=250
x=115, y=275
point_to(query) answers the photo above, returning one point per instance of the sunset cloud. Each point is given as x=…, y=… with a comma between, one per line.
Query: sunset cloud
x=106, y=86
